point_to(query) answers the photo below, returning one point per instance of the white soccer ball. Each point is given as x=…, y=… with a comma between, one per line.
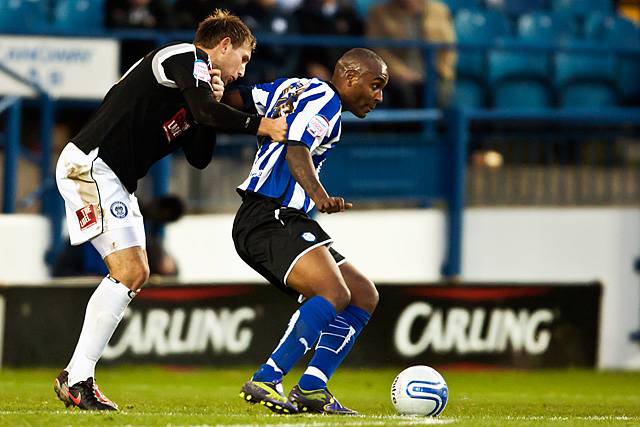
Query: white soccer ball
x=419, y=390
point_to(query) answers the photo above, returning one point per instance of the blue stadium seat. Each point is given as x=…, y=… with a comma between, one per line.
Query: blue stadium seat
x=73, y=15
x=618, y=32
x=587, y=96
x=571, y=66
x=522, y=94
x=23, y=16
x=456, y=5
x=516, y=7
x=612, y=29
x=477, y=26
x=581, y=7
x=585, y=80
x=511, y=70
x=505, y=64
x=545, y=28
x=468, y=94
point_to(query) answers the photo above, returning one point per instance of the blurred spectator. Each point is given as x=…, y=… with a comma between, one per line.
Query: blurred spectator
x=139, y=14
x=332, y=17
x=428, y=20
x=147, y=14
x=269, y=61
x=191, y=12
x=289, y=6
x=84, y=259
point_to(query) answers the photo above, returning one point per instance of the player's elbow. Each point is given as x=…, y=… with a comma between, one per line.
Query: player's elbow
x=199, y=163
x=205, y=117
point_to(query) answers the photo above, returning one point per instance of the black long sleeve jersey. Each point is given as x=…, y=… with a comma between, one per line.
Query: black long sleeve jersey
x=160, y=104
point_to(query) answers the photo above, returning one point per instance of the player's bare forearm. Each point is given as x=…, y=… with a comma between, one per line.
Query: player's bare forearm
x=301, y=167
x=303, y=171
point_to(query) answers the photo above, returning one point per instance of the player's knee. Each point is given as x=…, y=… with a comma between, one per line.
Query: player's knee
x=135, y=275
x=371, y=297
x=367, y=297
x=340, y=297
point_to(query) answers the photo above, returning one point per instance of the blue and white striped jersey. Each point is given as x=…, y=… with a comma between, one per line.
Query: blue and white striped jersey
x=312, y=108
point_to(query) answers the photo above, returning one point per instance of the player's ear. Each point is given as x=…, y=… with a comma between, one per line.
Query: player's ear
x=225, y=45
x=351, y=76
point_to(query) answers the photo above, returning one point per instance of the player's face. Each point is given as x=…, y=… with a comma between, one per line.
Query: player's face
x=232, y=62
x=366, y=92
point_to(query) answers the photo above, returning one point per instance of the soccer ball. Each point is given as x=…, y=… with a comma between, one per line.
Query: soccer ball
x=419, y=390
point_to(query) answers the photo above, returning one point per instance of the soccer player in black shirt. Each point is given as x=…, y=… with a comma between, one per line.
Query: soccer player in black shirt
x=167, y=100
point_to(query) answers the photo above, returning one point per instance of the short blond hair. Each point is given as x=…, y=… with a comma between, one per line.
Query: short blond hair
x=220, y=24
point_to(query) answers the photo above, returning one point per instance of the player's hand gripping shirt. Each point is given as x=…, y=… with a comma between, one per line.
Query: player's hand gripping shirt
x=312, y=108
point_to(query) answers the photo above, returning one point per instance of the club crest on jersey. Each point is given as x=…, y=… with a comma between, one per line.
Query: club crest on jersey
x=119, y=209
x=309, y=237
x=86, y=217
x=318, y=126
x=201, y=71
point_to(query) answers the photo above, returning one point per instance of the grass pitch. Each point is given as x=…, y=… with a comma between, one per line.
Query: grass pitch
x=157, y=396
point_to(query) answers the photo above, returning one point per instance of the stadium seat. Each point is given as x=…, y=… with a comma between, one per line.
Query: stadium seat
x=456, y=5
x=504, y=64
x=618, y=32
x=545, y=28
x=590, y=75
x=587, y=96
x=73, y=15
x=468, y=94
x=477, y=26
x=581, y=7
x=572, y=67
x=511, y=70
x=516, y=7
x=23, y=16
x=521, y=94
x=611, y=29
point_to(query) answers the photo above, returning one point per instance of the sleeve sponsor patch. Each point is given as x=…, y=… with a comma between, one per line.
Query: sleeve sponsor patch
x=176, y=125
x=318, y=126
x=201, y=71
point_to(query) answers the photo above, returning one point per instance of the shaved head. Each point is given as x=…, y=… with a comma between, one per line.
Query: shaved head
x=360, y=75
x=360, y=60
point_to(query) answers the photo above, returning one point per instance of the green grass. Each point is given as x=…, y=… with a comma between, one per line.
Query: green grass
x=158, y=396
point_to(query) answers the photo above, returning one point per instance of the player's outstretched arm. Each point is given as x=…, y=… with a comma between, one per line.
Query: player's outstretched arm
x=301, y=167
x=209, y=112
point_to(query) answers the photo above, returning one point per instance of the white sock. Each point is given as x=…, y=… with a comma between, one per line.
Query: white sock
x=104, y=311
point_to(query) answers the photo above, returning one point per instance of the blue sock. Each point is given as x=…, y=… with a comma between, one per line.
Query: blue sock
x=302, y=332
x=335, y=342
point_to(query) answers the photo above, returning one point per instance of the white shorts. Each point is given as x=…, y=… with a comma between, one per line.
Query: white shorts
x=98, y=206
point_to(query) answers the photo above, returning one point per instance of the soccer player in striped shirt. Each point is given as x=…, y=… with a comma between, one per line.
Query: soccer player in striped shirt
x=273, y=233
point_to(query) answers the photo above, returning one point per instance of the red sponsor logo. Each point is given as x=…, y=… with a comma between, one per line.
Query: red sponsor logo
x=176, y=125
x=86, y=216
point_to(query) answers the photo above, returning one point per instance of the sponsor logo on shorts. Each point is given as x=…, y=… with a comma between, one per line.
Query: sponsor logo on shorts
x=86, y=217
x=309, y=237
x=119, y=209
